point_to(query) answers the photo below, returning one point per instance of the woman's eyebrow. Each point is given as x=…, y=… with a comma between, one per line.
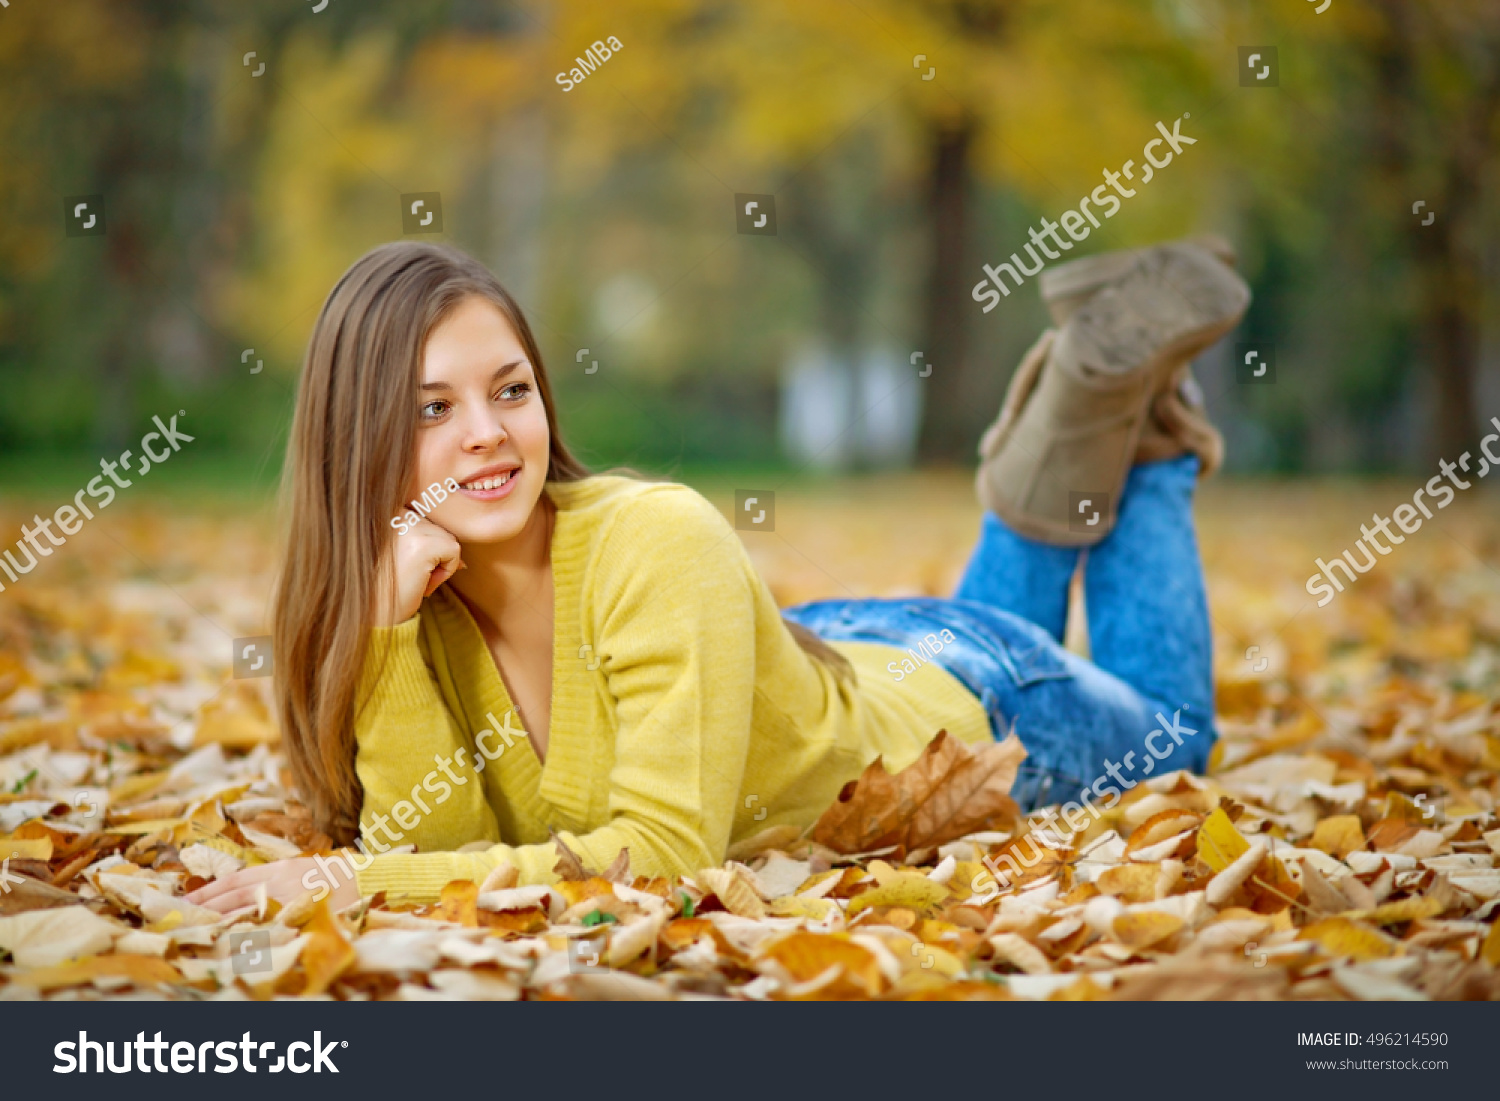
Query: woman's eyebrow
x=500, y=373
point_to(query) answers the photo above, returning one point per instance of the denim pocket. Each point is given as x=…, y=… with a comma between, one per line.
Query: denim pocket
x=1027, y=652
x=1041, y=661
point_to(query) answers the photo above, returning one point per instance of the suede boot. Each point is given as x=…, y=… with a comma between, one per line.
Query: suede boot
x=1177, y=421
x=1055, y=460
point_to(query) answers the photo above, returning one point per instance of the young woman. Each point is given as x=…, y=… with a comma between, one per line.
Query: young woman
x=480, y=645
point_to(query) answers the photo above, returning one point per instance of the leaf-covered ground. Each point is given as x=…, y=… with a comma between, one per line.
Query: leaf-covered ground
x=1343, y=846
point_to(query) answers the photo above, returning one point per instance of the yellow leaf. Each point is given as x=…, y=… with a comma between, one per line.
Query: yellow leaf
x=1143, y=928
x=1393, y=913
x=133, y=787
x=1339, y=836
x=908, y=889
x=37, y=849
x=1132, y=882
x=1341, y=937
x=166, y=923
x=814, y=909
x=965, y=873
x=1491, y=949
x=1219, y=843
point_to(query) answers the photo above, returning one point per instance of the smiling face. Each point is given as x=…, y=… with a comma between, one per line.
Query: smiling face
x=482, y=423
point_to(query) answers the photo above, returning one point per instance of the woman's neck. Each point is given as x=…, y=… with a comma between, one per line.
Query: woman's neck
x=502, y=575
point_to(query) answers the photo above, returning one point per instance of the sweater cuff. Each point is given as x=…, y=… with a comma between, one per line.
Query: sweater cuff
x=394, y=662
x=419, y=878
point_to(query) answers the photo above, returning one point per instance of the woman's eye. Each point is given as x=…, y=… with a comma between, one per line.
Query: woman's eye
x=519, y=389
x=434, y=409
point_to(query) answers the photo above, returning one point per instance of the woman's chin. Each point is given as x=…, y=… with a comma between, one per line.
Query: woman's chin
x=489, y=530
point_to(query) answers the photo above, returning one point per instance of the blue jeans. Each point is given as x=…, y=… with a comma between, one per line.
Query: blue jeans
x=1143, y=705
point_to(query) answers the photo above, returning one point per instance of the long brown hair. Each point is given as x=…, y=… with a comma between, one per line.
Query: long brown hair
x=350, y=459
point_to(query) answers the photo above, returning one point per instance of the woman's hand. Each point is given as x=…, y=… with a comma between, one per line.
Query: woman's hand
x=285, y=881
x=423, y=559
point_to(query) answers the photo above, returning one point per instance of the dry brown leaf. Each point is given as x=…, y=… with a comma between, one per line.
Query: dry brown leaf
x=1323, y=896
x=619, y=868
x=569, y=866
x=1389, y=834
x=951, y=790
x=737, y=896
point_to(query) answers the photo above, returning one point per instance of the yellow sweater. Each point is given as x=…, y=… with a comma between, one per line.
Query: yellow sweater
x=684, y=714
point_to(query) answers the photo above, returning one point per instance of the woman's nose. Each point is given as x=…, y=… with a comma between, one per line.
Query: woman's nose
x=484, y=431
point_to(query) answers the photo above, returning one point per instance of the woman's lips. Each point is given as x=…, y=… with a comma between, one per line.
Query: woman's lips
x=495, y=494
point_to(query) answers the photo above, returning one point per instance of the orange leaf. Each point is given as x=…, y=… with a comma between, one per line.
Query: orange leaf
x=807, y=956
x=326, y=956
x=144, y=971
x=457, y=903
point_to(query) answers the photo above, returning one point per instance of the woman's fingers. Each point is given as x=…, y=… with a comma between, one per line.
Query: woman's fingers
x=446, y=569
x=242, y=898
x=207, y=894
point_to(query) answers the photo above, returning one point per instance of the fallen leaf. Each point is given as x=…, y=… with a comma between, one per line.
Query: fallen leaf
x=1144, y=928
x=1131, y=882
x=504, y=876
x=619, y=868
x=43, y=938
x=810, y=956
x=326, y=955
x=1344, y=937
x=737, y=895
x=143, y=971
x=569, y=866
x=458, y=903
x=25, y=849
x=909, y=889
x=951, y=790
x=1490, y=953
x=1339, y=836
x=1219, y=843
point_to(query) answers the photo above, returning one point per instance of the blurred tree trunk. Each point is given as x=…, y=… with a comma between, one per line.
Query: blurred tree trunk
x=949, y=425
x=1439, y=157
x=952, y=415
